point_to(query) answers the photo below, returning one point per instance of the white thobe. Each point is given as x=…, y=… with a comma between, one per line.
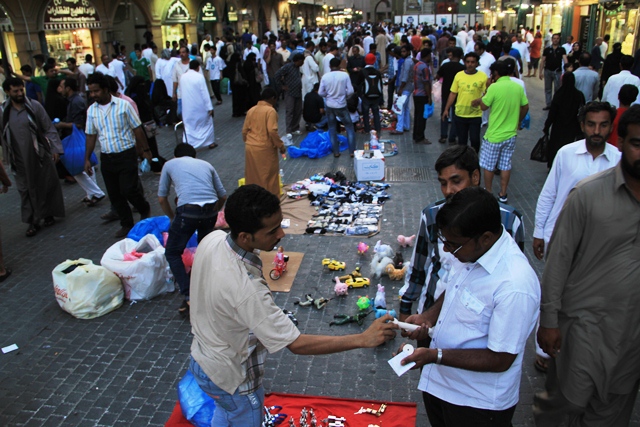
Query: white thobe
x=118, y=68
x=196, y=104
x=309, y=74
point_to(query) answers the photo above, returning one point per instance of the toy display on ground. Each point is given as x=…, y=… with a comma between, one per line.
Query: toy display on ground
x=342, y=207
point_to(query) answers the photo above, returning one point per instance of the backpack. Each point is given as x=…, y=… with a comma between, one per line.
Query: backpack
x=371, y=83
x=224, y=52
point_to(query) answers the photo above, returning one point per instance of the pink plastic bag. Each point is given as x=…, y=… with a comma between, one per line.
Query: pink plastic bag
x=221, y=222
x=187, y=258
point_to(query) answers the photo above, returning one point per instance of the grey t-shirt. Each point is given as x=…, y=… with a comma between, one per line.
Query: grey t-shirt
x=196, y=181
x=407, y=75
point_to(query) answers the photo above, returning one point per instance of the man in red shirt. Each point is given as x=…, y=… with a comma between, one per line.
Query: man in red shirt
x=626, y=96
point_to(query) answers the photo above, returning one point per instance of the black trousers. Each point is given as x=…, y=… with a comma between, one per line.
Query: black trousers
x=120, y=173
x=215, y=87
x=419, y=122
x=445, y=414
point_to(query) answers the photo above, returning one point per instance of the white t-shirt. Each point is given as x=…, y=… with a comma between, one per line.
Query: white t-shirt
x=215, y=67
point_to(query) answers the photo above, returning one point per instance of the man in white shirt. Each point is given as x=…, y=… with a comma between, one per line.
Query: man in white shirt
x=164, y=70
x=605, y=46
x=366, y=42
x=250, y=48
x=333, y=53
x=336, y=87
x=568, y=46
x=615, y=82
x=147, y=51
x=104, y=67
x=215, y=65
x=573, y=163
x=118, y=68
x=207, y=40
x=523, y=48
x=87, y=69
x=309, y=70
x=472, y=370
x=179, y=68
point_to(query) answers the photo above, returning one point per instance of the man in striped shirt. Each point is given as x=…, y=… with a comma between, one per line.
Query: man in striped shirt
x=113, y=122
x=431, y=268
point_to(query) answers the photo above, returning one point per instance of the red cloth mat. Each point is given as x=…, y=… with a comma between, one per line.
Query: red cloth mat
x=397, y=414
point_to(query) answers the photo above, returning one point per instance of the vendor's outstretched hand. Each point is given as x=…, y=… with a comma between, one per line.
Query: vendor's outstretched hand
x=380, y=331
x=422, y=333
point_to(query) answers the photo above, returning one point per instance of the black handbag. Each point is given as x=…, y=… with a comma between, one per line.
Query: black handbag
x=539, y=152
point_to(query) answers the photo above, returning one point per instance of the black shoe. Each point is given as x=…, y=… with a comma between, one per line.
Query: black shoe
x=546, y=108
x=184, y=309
x=109, y=216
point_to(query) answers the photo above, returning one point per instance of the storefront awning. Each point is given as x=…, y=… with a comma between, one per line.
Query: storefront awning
x=70, y=14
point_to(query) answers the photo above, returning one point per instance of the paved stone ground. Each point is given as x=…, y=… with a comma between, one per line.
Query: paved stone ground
x=122, y=369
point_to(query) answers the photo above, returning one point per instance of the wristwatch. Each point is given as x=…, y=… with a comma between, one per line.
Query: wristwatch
x=439, y=359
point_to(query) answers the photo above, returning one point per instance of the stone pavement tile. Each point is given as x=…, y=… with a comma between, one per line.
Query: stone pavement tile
x=122, y=369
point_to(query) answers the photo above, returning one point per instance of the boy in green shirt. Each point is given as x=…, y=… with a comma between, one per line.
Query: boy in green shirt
x=141, y=65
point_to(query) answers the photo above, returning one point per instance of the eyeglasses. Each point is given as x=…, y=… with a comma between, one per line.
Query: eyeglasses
x=449, y=246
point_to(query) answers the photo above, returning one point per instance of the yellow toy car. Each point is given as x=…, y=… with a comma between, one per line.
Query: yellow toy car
x=333, y=264
x=357, y=282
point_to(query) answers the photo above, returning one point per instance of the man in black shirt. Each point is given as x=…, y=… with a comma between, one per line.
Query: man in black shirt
x=553, y=58
x=447, y=72
x=313, y=109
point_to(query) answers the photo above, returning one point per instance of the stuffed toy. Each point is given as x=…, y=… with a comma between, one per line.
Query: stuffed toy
x=395, y=273
x=381, y=299
x=340, y=288
x=383, y=250
x=405, y=241
x=382, y=311
x=362, y=248
x=378, y=265
x=398, y=260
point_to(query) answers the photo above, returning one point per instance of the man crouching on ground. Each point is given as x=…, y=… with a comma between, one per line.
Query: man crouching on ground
x=234, y=319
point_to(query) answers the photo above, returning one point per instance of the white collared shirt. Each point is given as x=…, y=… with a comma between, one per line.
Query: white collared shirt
x=335, y=88
x=615, y=82
x=572, y=164
x=490, y=304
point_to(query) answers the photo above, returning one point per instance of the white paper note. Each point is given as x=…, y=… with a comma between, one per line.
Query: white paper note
x=395, y=362
x=9, y=348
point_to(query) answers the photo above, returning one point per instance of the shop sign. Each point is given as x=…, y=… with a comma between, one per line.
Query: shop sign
x=177, y=14
x=247, y=14
x=208, y=13
x=233, y=14
x=5, y=21
x=69, y=14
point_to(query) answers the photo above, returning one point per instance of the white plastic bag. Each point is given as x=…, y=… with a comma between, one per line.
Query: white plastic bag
x=436, y=92
x=398, y=104
x=86, y=290
x=145, y=277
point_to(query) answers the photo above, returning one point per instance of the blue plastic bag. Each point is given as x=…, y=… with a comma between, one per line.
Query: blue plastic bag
x=196, y=405
x=157, y=225
x=316, y=144
x=74, y=152
x=526, y=122
x=428, y=111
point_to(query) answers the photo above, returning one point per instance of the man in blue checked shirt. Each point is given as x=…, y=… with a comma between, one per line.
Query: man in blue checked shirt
x=115, y=124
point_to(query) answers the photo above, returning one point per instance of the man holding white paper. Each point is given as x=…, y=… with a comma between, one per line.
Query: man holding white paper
x=472, y=370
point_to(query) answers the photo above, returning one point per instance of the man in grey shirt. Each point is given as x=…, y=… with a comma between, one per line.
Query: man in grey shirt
x=587, y=80
x=200, y=195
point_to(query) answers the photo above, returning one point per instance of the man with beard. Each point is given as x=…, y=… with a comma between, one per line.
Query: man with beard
x=234, y=319
x=573, y=163
x=32, y=146
x=589, y=320
x=431, y=267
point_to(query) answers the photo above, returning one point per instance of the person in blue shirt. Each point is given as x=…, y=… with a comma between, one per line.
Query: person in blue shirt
x=33, y=91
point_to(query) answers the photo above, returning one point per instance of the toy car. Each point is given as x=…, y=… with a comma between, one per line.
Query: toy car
x=333, y=264
x=357, y=282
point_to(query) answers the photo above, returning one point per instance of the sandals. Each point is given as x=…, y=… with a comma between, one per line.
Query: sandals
x=48, y=221
x=94, y=201
x=32, y=230
x=6, y=275
x=212, y=146
x=184, y=308
x=540, y=364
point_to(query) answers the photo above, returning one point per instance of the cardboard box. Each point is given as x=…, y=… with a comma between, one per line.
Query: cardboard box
x=371, y=169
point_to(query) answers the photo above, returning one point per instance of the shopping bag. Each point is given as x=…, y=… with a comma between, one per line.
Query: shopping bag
x=436, y=91
x=398, y=104
x=196, y=405
x=224, y=86
x=539, y=152
x=74, y=152
x=86, y=290
x=428, y=111
x=146, y=276
x=526, y=122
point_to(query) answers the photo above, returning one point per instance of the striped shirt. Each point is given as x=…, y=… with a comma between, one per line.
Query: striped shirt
x=426, y=263
x=113, y=127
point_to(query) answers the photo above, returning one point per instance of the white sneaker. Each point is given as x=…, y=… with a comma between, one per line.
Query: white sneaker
x=296, y=132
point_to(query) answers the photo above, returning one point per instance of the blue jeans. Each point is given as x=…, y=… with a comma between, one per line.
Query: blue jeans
x=232, y=410
x=468, y=128
x=404, y=119
x=188, y=219
x=345, y=118
x=322, y=123
x=372, y=104
x=445, y=129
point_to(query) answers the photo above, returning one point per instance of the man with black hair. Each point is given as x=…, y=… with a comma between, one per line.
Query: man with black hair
x=313, y=110
x=289, y=80
x=472, y=368
x=421, y=95
x=587, y=80
x=589, y=320
x=553, y=60
x=200, y=195
x=32, y=90
x=615, y=82
x=50, y=73
x=509, y=105
x=197, y=109
x=234, y=319
x=627, y=96
x=447, y=72
x=31, y=146
x=115, y=124
x=371, y=93
x=39, y=60
x=457, y=168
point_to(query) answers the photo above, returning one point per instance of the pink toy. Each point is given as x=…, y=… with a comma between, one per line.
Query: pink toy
x=341, y=288
x=362, y=248
x=380, y=300
x=406, y=241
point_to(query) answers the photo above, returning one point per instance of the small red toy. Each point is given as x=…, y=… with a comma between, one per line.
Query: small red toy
x=280, y=263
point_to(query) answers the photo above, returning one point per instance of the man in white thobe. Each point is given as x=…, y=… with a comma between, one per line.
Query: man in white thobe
x=309, y=70
x=197, y=110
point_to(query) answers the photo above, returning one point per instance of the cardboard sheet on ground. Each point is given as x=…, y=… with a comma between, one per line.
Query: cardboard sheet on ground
x=298, y=211
x=285, y=282
x=397, y=414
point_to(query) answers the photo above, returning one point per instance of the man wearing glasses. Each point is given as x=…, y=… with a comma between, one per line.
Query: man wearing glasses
x=431, y=267
x=472, y=370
